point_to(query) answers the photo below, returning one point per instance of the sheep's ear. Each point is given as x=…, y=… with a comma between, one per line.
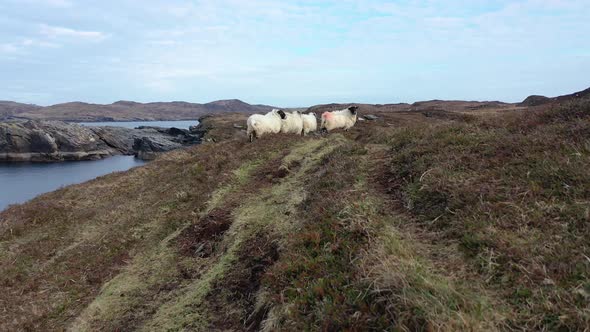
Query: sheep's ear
x=282, y=114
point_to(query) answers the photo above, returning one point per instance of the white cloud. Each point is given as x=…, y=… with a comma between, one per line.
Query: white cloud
x=21, y=46
x=61, y=32
x=58, y=3
x=51, y=3
x=39, y=43
x=8, y=48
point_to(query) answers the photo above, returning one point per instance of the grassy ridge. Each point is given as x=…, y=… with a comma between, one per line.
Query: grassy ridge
x=438, y=221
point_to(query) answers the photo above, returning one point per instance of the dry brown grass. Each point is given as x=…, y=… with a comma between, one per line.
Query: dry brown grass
x=512, y=194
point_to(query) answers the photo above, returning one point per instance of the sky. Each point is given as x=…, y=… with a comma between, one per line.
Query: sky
x=291, y=53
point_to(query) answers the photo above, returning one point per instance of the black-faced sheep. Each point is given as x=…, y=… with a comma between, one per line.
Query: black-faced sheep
x=345, y=119
x=259, y=125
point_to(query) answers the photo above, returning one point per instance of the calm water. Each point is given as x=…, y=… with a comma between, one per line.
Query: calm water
x=134, y=124
x=19, y=182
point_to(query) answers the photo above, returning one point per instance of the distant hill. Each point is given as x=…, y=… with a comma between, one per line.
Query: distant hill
x=536, y=100
x=10, y=108
x=126, y=110
x=422, y=106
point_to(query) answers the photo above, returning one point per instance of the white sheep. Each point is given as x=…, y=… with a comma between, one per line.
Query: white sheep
x=345, y=118
x=310, y=123
x=259, y=125
x=292, y=123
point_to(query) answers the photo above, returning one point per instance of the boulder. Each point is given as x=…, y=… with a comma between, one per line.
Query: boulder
x=49, y=141
x=42, y=142
x=147, y=147
x=118, y=138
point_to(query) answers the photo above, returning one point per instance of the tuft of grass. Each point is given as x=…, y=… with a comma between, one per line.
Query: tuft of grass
x=423, y=298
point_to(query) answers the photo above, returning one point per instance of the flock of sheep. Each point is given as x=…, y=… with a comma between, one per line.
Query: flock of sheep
x=278, y=121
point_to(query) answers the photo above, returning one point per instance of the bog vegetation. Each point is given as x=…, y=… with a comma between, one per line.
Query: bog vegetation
x=416, y=221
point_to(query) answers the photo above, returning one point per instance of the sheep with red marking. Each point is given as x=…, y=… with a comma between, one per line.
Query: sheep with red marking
x=259, y=125
x=344, y=119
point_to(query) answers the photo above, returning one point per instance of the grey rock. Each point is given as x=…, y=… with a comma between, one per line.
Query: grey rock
x=371, y=117
x=49, y=141
x=147, y=147
x=58, y=141
x=118, y=138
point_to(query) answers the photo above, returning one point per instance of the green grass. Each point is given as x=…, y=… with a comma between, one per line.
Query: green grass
x=252, y=217
x=159, y=266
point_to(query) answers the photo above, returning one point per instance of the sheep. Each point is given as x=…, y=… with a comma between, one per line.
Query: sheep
x=259, y=125
x=292, y=123
x=345, y=118
x=310, y=123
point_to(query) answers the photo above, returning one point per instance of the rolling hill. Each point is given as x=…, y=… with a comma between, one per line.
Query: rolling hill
x=10, y=108
x=125, y=110
x=537, y=100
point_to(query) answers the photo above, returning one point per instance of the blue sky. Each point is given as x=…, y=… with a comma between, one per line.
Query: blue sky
x=291, y=53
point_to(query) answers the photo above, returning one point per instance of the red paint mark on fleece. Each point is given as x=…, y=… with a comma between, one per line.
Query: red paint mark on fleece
x=327, y=115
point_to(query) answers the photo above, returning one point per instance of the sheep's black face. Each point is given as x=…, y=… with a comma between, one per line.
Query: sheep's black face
x=353, y=109
x=282, y=114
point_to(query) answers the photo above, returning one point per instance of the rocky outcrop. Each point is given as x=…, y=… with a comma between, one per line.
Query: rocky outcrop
x=161, y=140
x=49, y=141
x=46, y=141
x=148, y=147
x=118, y=138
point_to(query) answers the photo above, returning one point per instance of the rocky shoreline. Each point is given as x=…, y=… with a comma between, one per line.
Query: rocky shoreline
x=54, y=141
